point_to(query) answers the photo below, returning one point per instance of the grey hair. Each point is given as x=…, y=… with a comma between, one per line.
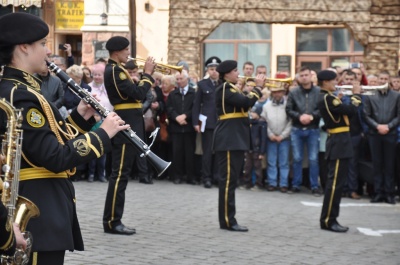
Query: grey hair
x=184, y=73
x=62, y=59
x=171, y=79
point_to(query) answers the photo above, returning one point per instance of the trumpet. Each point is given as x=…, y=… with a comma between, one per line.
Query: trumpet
x=366, y=90
x=162, y=68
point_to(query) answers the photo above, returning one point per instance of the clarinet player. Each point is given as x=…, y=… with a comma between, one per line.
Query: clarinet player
x=52, y=147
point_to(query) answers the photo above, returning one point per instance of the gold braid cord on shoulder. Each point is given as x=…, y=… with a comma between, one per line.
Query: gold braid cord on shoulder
x=70, y=134
x=115, y=84
x=241, y=92
x=223, y=99
x=329, y=112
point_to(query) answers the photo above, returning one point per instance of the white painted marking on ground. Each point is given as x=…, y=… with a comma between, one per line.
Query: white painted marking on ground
x=370, y=232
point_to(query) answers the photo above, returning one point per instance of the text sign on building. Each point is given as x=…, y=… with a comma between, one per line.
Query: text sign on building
x=100, y=51
x=69, y=14
x=283, y=63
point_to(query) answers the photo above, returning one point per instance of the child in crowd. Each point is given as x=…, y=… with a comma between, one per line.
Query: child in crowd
x=240, y=83
x=249, y=85
x=254, y=156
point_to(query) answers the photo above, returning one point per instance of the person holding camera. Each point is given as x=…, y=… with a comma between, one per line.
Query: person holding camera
x=68, y=51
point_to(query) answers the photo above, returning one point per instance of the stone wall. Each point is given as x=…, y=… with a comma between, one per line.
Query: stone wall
x=374, y=23
x=88, y=47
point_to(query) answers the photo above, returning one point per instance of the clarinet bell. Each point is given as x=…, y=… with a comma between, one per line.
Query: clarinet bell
x=159, y=164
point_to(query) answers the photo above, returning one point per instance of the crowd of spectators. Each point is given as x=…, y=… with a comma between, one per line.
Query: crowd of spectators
x=287, y=131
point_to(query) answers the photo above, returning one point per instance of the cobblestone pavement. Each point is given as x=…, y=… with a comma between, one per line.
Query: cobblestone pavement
x=178, y=224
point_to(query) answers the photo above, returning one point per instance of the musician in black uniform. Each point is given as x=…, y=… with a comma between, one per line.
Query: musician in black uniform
x=52, y=147
x=339, y=148
x=204, y=103
x=232, y=138
x=126, y=97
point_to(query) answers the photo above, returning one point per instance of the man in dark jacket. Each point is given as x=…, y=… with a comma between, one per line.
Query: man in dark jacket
x=204, y=104
x=183, y=137
x=302, y=108
x=382, y=114
x=49, y=82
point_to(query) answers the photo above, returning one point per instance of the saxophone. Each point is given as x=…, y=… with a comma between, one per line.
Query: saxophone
x=20, y=209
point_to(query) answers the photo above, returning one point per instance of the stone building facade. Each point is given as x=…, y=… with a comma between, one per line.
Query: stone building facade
x=374, y=23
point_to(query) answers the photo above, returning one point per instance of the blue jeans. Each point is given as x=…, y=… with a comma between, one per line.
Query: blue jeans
x=278, y=156
x=299, y=137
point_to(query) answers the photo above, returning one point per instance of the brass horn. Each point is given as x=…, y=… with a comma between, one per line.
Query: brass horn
x=162, y=68
x=278, y=82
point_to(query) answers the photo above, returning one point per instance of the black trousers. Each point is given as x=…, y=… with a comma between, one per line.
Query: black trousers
x=123, y=157
x=337, y=175
x=230, y=164
x=209, y=168
x=383, y=151
x=323, y=169
x=183, y=147
x=47, y=258
x=397, y=169
x=352, y=178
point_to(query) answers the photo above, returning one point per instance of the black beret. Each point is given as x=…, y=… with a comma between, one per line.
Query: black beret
x=212, y=61
x=20, y=28
x=226, y=67
x=326, y=75
x=117, y=43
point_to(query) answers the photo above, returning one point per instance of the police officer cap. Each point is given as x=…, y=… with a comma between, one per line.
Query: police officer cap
x=326, y=75
x=226, y=67
x=117, y=43
x=212, y=61
x=20, y=28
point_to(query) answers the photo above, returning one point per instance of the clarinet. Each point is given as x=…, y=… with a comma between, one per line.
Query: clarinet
x=159, y=164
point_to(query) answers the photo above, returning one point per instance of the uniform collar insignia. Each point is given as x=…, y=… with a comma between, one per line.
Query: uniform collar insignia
x=31, y=81
x=22, y=77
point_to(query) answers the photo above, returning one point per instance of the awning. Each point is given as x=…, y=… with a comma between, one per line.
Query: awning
x=27, y=3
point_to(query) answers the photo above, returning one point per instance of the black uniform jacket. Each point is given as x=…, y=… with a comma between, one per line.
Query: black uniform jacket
x=204, y=103
x=336, y=117
x=7, y=240
x=47, y=153
x=126, y=97
x=177, y=105
x=233, y=127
